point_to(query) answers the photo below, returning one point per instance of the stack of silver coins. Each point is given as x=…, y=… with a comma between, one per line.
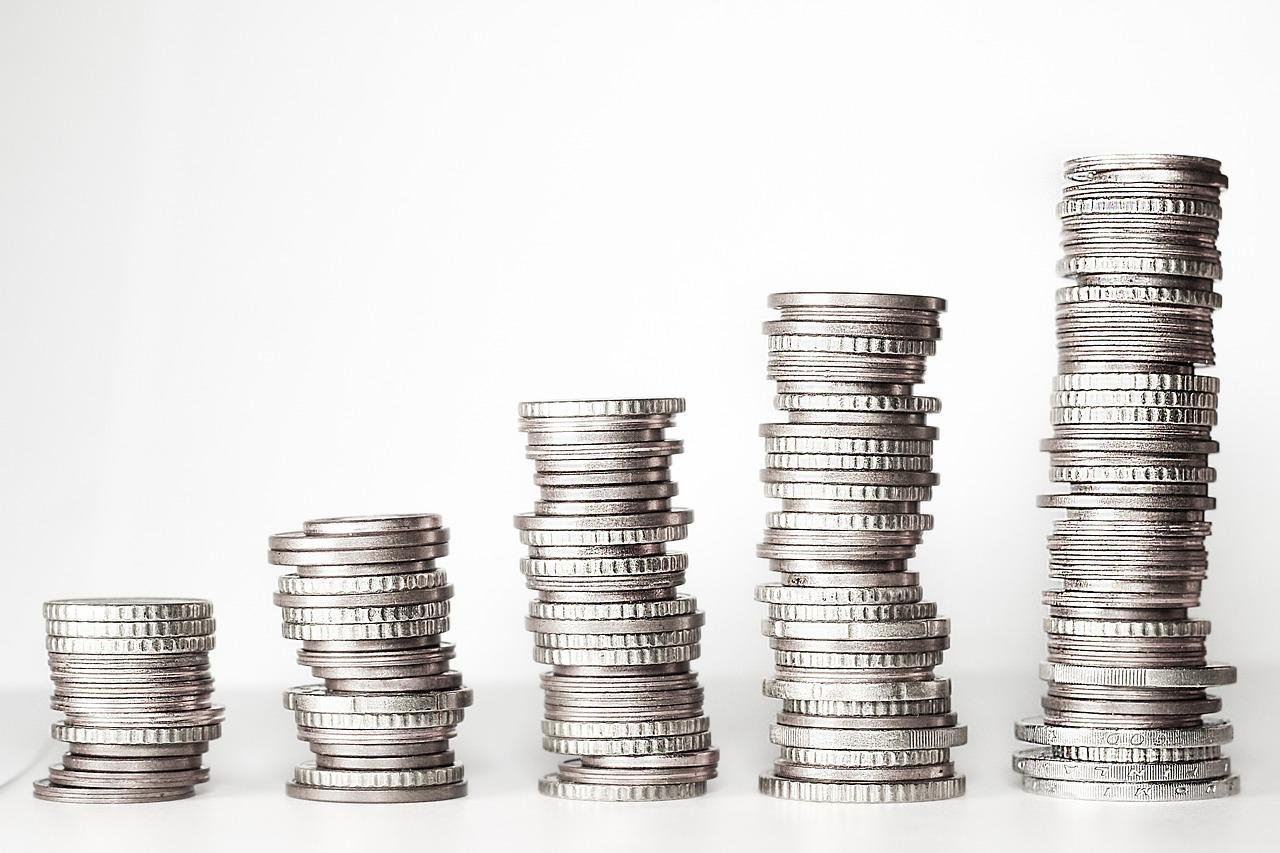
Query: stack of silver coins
x=1127, y=673
x=131, y=676
x=370, y=605
x=864, y=719
x=608, y=619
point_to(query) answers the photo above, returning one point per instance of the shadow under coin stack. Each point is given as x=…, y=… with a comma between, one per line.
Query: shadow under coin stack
x=1131, y=440
x=132, y=677
x=864, y=718
x=370, y=606
x=619, y=640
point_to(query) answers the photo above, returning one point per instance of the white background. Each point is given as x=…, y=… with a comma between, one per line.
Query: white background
x=265, y=261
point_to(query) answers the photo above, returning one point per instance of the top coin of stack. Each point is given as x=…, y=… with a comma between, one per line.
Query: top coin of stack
x=132, y=677
x=369, y=605
x=864, y=719
x=1131, y=418
x=608, y=619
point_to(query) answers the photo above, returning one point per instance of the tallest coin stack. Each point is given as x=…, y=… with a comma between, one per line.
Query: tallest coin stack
x=864, y=719
x=1126, y=669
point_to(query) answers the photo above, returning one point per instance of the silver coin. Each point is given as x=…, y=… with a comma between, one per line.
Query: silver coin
x=552, y=785
x=1042, y=764
x=313, y=698
x=393, y=762
x=1133, y=791
x=162, y=780
x=310, y=775
x=429, y=793
x=866, y=792
x=300, y=541
x=367, y=524
x=45, y=790
x=159, y=763
x=575, y=771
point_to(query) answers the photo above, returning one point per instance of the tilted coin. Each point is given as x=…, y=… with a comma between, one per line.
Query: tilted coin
x=46, y=790
x=552, y=785
x=301, y=541
x=366, y=524
x=316, y=698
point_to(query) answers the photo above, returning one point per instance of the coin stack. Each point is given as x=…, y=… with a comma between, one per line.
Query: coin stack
x=370, y=606
x=608, y=620
x=864, y=718
x=131, y=675
x=1126, y=669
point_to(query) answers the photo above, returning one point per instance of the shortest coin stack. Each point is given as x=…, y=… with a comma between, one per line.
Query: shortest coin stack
x=370, y=606
x=131, y=676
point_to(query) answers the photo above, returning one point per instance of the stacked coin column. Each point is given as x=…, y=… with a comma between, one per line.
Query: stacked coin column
x=132, y=677
x=608, y=619
x=370, y=606
x=864, y=719
x=1126, y=668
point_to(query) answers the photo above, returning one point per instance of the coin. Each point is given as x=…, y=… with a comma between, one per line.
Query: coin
x=425, y=794
x=862, y=792
x=552, y=785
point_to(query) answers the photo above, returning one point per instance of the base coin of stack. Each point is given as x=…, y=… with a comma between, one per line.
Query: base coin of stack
x=608, y=620
x=1126, y=671
x=369, y=605
x=864, y=719
x=131, y=676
